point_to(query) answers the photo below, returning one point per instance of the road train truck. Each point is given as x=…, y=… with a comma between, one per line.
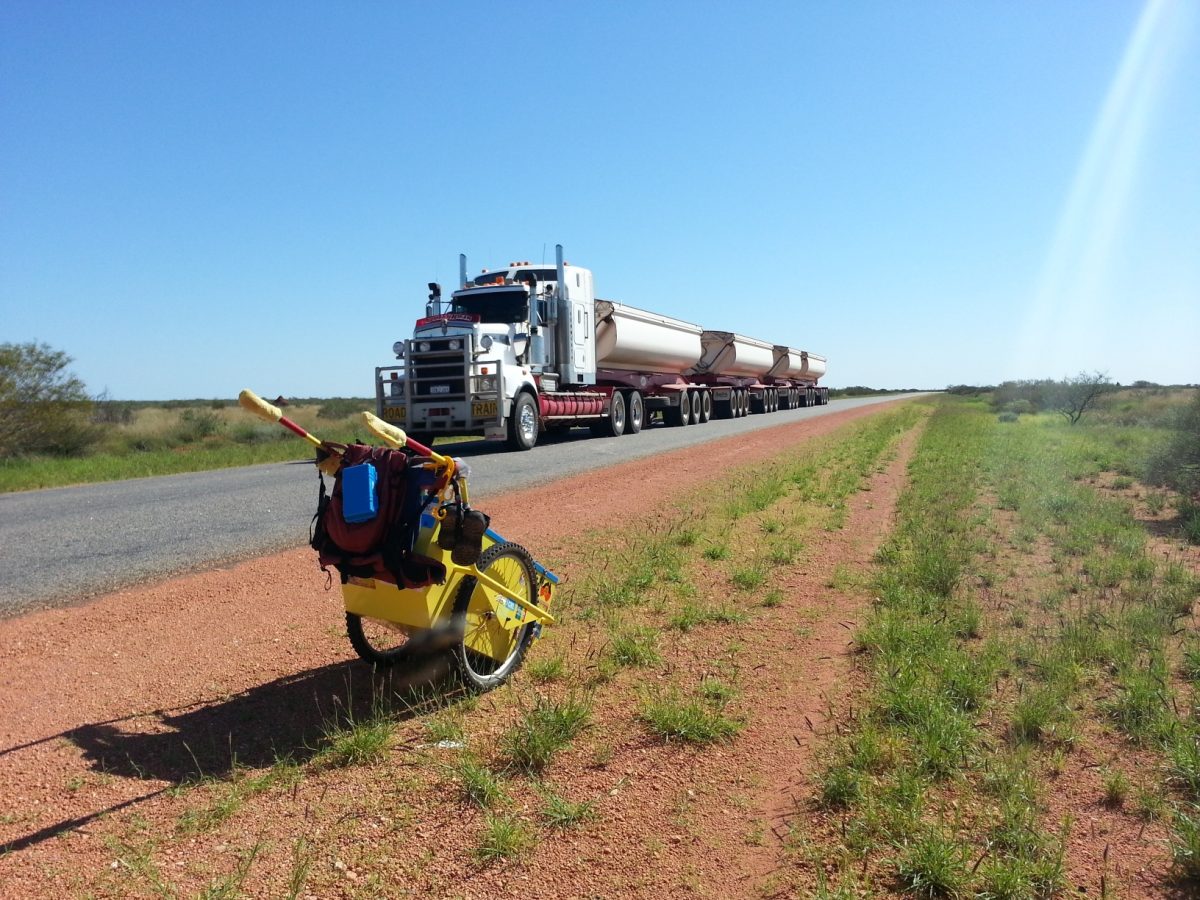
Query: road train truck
x=528, y=349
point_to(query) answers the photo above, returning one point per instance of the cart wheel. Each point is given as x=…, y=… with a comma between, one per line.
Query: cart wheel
x=511, y=564
x=377, y=642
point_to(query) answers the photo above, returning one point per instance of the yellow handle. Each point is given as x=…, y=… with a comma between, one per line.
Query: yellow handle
x=396, y=437
x=252, y=402
x=264, y=410
x=386, y=431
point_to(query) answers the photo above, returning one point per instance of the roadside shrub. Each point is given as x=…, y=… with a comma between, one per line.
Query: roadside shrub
x=255, y=433
x=112, y=412
x=44, y=409
x=197, y=424
x=1176, y=463
x=343, y=407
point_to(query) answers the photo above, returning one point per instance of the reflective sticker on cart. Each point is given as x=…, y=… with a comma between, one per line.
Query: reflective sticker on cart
x=518, y=612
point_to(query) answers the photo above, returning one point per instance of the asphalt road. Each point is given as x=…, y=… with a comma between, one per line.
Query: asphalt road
x=65, y=544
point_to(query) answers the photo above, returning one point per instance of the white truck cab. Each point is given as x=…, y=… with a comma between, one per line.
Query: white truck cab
x=505, y=334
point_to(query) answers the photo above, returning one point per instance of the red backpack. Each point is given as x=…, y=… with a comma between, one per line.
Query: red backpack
x=381, y=547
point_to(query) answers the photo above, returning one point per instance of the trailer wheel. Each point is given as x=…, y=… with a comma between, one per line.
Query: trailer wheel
x=523, y=423
x=774, y=400
x=613, y=425
x=377, y=642
x=695, y=399
x=474, y=617
x=706, y=407
x=745, y=403
x=635, y=413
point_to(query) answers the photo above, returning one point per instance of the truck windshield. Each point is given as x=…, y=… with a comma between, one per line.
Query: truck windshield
x=494, y=306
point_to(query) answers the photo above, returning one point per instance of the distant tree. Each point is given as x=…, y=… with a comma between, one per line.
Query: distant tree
x=1074, y=396
x=44, y=408
x=1034, y=392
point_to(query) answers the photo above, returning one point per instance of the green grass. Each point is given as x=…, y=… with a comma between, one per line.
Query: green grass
x=478, y=783
x=503, y=837
x=543, y=730
x=227, y=797
x=747, y=578
x=547, y=669
x=673, y=717
x=186, y=436
x=356, y=743
x=636, y=647
x=559, y=812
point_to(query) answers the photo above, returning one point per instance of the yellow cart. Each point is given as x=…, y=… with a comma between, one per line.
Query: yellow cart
x=486, y=614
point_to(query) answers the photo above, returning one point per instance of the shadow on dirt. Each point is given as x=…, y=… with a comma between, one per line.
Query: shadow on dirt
x=286, y=719
x=290, y=718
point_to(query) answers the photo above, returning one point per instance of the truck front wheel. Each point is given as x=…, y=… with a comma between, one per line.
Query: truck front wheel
x=523, y=423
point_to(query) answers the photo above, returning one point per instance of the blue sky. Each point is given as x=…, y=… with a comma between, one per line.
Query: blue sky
x=197, y=197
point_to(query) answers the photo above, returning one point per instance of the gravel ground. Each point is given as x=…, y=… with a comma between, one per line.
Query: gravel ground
x=105, y=707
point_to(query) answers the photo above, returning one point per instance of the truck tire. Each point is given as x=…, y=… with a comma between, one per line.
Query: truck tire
x=685, y=408
x=706, y=408
x=635, y=413
x=745, y=401
x=695, y=398
x=612, y=425
x=523, y=423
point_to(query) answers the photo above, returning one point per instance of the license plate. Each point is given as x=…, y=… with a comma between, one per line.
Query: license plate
x=484, y=410
x=395, y=413
x=439, y=389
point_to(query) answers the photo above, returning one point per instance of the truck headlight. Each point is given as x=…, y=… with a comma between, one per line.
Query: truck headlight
x=398, y=349
x=485, y=342
x=487, y=384
x=397, y=388
x=423, y=346
x=456, y=345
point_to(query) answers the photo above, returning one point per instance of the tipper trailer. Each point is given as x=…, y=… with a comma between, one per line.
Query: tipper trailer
x=528, y=348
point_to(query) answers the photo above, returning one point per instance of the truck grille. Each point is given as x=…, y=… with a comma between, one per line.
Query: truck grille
x=438, y=373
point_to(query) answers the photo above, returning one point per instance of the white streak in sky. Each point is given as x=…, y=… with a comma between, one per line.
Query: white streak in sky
x=1071, y=287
